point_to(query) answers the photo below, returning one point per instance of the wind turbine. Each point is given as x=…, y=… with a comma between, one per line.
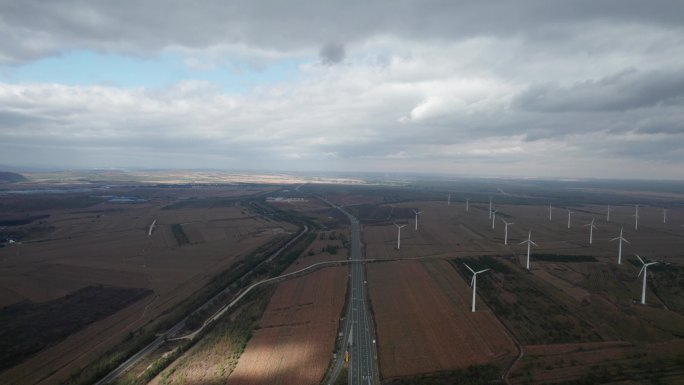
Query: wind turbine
x=490, y=207
x=417, y=212
x=529, y=243
x=399, y=235
x=467, y=200
x=644, y=269
x=506, y=230
x=608, y=213
x=621, y=239
x=494, y=217
x=549, y=212
x=473, y=283
x=636, y=217
x=449, y=200
x=664, y=215
x=591, y=229
x=569, y=215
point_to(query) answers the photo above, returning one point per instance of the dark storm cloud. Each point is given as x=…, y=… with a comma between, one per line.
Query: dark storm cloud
x=34, y=28
x=623, y=91
x=332, y=53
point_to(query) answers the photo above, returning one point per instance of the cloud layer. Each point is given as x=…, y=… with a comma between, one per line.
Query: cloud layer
x=514, y=88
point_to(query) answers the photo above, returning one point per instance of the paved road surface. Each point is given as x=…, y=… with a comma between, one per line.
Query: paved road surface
x=358, y=322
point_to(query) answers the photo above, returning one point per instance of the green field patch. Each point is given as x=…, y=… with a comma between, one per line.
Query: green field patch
x=25, y=204
x=563, y=258
x=536, y=312
x=28, y=327
x=667, y=282
x=22, y=220
x=203, y=203
x=472, y=375
x=179, y=234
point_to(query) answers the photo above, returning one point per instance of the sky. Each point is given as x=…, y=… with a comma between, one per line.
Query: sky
x=588, y=89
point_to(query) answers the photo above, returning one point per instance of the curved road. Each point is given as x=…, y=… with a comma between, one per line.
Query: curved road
x=121, y=369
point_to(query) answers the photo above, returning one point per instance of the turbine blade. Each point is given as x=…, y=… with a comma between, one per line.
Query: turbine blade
x=532, y=242
x=472, y=281
x=471, y=270
x=640, y=260
x=481, y=271
x=625, y=240
x=614, y=239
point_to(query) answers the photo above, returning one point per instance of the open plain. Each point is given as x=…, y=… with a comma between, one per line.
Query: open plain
x=107, y=243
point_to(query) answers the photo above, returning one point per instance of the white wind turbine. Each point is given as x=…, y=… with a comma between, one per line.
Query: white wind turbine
x=467, y=201
x=620, y=239
x=644, y=269
x=664, y=215
x=549, y=212
x=636, y=217
x=529, y=243
x=608, y=213
x=506, y=230
x=591, y=229
x=417, y=213
x=449, y=200
x=399, y=235
x=493, y=217
x=569, y=216
x=473, y=283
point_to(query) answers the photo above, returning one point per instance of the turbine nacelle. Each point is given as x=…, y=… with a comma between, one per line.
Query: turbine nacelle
x=644, y=264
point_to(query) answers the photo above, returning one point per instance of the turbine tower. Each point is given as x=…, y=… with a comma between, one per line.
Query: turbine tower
x=399, y=235
x=549, y=212
x=569, y=215
x=664, y=215
x=636, y=217
x=473, y=283
x=529, y=243
x=467, y=200
x=506, y=230
x=608, y=213
x=417, y=212
x=493, y=217
x=621, y=239
x=449, y=200
x=591, y=229
x=644, y=269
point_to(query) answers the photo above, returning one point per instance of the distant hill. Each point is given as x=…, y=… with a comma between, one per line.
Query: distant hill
x=10, y=177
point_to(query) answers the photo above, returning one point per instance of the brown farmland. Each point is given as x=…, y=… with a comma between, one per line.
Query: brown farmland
x=424, y=323
x=108, y=244
x=295, y=339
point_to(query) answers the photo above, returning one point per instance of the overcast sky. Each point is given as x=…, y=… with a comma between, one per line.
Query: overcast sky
x=515, y=88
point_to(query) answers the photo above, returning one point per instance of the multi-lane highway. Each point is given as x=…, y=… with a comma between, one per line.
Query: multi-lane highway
x=358, y=334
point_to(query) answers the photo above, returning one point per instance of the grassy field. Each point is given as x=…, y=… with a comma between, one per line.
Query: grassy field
x=537, y=312
x=472, y=375
x=179, y=234
x=27, y=327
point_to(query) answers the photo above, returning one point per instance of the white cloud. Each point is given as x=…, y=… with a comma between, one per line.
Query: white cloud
x=524, y=88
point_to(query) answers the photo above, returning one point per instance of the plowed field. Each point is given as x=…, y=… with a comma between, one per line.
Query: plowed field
x=297, y=332
x=424, y=323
